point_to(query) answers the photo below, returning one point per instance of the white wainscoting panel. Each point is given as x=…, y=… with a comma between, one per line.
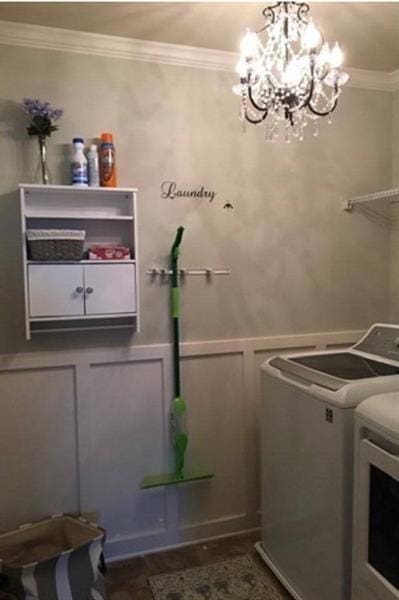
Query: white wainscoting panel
x=127, y=442
x=38, y=444
x=214, y=390
x=78, y=432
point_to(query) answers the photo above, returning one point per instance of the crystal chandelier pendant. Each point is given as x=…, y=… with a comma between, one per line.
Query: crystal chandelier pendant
x=290, y=78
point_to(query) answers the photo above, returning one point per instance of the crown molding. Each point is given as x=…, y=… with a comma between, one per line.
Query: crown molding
x=395, y=80
x=80, y=42
x=372, y=80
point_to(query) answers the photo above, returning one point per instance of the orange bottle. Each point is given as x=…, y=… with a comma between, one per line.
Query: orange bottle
x=107, y=161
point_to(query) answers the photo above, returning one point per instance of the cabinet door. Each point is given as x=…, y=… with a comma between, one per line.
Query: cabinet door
x=55, y=290
x=110, y=288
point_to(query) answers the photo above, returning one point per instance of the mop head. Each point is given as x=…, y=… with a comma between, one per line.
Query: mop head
x=152, y=481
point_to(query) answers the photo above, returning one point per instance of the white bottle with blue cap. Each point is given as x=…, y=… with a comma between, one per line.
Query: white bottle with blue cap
x=79, y=171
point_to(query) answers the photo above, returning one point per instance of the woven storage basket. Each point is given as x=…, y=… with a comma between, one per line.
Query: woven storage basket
x=55, y=559
x=55, y=244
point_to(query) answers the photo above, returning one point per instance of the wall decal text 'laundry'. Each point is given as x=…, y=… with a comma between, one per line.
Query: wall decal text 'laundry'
x=169, y=189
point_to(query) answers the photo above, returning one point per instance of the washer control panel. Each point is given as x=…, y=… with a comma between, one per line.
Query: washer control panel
x=381, y=340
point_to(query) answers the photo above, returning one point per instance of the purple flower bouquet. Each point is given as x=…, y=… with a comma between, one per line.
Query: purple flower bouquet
x=42, y=115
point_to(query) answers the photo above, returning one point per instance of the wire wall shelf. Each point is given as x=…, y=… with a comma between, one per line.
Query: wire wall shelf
x=392, y=194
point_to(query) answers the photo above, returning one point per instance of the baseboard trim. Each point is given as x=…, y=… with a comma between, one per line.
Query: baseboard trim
x=204, y=540
x=138, y=545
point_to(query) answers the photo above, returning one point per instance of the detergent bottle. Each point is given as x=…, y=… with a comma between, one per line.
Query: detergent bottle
x=107, y=161
x=79, y=176
x=94, y=166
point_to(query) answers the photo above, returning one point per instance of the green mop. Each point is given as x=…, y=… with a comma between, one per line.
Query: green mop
x=179, y=407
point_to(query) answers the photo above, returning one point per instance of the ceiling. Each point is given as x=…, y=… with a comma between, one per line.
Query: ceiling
x=368, y=31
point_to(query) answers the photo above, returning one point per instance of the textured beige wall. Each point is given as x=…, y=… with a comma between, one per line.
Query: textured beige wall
x=395, y=138
x=394, y=303
x=299, y=263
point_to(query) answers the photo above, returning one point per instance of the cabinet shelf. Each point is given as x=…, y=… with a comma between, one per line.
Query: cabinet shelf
x=81, y=262
x=50, y=189
x=80, y=318
x=81, y=217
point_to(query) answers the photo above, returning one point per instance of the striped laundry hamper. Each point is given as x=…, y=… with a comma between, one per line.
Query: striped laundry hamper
x=60, y=558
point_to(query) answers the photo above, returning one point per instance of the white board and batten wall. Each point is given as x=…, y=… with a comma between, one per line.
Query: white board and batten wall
x=79, y=430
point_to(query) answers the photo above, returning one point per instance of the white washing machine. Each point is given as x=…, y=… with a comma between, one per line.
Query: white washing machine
x=376, y=499
x=307, y=433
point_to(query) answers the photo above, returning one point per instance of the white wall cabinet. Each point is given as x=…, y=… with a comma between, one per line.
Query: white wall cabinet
x=85, y=294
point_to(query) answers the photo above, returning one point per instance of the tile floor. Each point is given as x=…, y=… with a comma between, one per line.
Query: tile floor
x=128, y=580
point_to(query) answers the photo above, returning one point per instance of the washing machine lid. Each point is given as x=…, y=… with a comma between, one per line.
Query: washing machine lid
x=381, y=412
x=333, y=370
x=346, y=365
x=287, y=365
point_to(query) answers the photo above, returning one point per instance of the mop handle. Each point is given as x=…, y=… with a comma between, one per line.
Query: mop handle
x=176, y=307
x=177, y=242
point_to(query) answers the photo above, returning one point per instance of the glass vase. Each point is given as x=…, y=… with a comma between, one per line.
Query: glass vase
x=43, y=173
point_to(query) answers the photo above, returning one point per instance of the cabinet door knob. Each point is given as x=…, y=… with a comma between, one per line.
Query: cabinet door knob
x=79, y=290
x=89, y=290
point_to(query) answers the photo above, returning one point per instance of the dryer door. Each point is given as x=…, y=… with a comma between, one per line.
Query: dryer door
x=377, y=519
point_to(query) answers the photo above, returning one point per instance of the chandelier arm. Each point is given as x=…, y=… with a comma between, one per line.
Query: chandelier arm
x=255, y=104
x=317, y=112
x=269, y=16
x=303, y=10
x=256, y=121
x=269, y=79
x=306, y=102
x=323, y=114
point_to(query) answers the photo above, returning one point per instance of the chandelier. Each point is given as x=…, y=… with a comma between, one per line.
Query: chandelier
x=293, y=78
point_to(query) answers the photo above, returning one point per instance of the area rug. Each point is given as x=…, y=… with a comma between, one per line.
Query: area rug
x=235, y=579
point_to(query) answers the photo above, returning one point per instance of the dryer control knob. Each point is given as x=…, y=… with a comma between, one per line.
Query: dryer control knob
x=396, y=342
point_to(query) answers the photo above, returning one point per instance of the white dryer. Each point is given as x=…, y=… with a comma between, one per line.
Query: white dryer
x=376, y=499
x=307, y=433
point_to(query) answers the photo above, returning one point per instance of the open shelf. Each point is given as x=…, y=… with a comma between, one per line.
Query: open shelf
x=70, y=202
x=81, y=262
x=50, y=189
x=81, y=217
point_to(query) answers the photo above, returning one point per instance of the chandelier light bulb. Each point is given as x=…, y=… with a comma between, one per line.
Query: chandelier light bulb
x=249, y=45
x=242, y=68
x=311, y=37
x=336, y=56
x=324, y=55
